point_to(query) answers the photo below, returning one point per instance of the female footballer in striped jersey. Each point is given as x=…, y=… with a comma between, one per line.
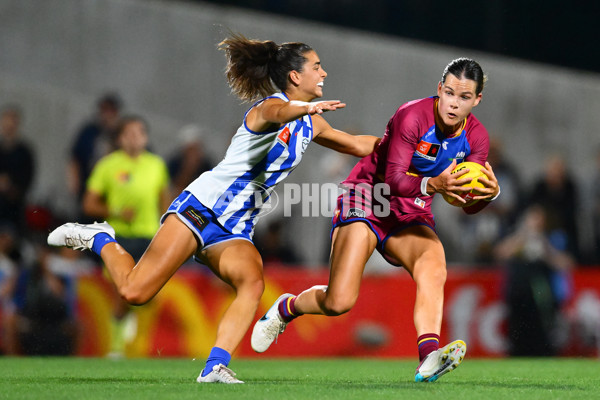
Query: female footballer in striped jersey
x=424, y=141
x=214, y=218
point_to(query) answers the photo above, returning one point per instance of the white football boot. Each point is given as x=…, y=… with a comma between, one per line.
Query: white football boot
x=441, y=361
x=78, y=236
x=219, y=374
x=267, y=328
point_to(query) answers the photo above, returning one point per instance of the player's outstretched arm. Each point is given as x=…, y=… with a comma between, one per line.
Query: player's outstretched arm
x=319, y=107
x=356, y=145
x=276, y=112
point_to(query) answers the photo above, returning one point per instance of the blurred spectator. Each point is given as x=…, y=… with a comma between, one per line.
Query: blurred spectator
x=7, y=258
x=498, y=218
x=189, y=160
x=272, y=246
x=17, y=167
x=558, y=194
x=40, y=319
x=8, y=273
x=94, y=140
x=9, y=247
x=129, y=188
x=537, y=284
x=596, y=212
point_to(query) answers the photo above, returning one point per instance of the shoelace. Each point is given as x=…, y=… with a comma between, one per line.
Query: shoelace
x=77, y=243
x=226, y=374
x=272, y=331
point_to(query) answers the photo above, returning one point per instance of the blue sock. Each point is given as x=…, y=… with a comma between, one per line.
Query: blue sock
x=101, y=240
x=217, y=356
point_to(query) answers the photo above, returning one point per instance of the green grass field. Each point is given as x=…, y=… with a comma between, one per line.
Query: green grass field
x=315, y=379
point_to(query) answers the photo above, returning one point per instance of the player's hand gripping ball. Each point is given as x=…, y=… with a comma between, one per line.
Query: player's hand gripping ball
x=474, y=173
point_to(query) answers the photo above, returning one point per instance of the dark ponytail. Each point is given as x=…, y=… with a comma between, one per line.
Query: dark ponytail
x=255, y=68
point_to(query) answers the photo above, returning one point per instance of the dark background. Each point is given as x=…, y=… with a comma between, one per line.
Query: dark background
x=561, y=33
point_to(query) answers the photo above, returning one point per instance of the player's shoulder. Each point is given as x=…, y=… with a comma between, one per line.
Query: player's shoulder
x=278, y=95
x=474, y=127
x=273, y=98
x=267, y=101
x=414, y=115
x=424, y=105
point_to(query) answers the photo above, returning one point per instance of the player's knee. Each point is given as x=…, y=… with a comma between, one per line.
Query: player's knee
x=438, y=276
x=434, y=276
x=256, y=288
x=338, y=305
x=432, y=268
x=250, y=286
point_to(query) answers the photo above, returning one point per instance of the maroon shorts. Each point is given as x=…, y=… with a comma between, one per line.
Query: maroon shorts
x=385, y=220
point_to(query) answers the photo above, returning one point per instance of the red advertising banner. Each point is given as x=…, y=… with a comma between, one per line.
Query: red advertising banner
x=181, y=321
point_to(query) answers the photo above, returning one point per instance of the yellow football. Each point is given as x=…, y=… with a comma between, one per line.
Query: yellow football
x=474, y=173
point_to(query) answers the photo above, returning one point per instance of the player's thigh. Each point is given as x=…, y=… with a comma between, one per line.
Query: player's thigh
x=352, y=245
x=415, y=246
x=172, y=245
x=235, y=261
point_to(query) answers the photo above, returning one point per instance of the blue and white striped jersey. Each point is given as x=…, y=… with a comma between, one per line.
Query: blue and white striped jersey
x=236, y=189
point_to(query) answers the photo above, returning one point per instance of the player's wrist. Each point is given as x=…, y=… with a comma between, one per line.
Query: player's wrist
x=495, y=197
x=309, y=109
x=424, y=183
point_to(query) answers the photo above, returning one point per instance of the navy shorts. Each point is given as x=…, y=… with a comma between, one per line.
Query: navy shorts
x=201, y=221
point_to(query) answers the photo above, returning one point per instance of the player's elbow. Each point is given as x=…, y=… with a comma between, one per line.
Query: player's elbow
x=135, y=296
x=361, y=147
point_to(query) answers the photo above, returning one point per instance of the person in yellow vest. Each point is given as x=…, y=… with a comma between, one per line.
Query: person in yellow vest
x=129, y=188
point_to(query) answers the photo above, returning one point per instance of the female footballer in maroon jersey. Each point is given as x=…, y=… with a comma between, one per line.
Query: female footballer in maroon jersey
x=388, y=207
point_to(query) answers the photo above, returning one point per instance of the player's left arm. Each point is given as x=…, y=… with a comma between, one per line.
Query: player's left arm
x=356, y=145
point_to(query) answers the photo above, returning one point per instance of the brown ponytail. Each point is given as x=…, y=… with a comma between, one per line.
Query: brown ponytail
x=255, y=68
